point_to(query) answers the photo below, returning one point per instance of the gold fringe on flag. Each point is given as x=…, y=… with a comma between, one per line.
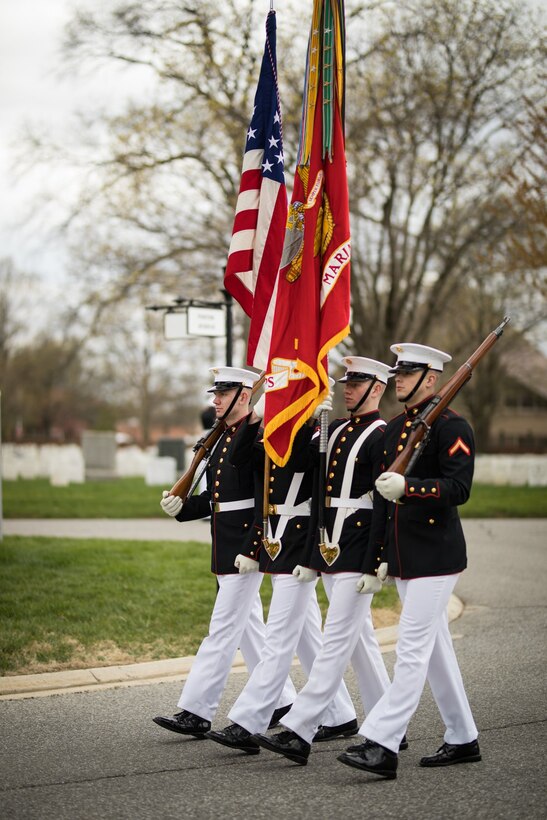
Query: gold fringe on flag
x=325, y=64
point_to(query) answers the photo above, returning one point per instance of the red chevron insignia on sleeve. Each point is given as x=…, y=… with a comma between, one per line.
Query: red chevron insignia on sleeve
x=459, y=444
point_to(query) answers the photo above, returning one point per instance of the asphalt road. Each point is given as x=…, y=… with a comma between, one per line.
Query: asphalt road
x=99, y=755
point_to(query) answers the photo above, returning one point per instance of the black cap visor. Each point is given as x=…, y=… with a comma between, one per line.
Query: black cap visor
x=408, y=367
x=352, y=376
x=221, y=387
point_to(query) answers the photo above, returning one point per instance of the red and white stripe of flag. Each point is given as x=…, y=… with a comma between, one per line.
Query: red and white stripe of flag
x=255, y=252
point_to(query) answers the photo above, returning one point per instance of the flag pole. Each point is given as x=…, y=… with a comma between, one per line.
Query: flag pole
x=321, y=489
x=265, y=499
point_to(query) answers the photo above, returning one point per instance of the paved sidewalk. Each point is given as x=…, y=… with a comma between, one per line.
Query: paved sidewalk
x=142, y=529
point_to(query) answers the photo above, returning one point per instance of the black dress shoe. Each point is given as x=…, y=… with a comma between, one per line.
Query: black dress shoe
x=288, y=744
x=372, y=758
x=330, y=732
x=451, y=753
x=185, y=723
x=403, y=746
x=236, y=737
x=278, y=714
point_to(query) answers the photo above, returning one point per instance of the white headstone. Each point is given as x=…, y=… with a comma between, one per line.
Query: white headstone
x=161, y=470
x=131, y=461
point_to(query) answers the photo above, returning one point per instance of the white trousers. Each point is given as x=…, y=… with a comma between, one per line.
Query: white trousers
x=294, y=625
x=348, y=635
x=424, y=650
x=236, y=622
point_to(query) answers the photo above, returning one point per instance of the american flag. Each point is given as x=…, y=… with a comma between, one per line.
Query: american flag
x=261, y=210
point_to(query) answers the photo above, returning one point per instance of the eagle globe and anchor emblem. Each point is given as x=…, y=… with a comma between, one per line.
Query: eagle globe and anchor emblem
x=293, y=247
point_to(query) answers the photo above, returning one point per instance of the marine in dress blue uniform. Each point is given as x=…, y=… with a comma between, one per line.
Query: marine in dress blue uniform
x=294, y=619
x=237, y=619
x=347, y=561
x=425, y=552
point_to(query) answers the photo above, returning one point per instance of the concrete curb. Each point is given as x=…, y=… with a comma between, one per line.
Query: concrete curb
x=173, y=669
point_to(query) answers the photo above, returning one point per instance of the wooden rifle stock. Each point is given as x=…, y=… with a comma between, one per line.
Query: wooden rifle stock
x=203, y=449
x=421, y=426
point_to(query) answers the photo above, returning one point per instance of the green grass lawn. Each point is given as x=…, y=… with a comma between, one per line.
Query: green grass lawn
x=120, y=498
x=131, y=498
x=76, y=603
x=489, y=501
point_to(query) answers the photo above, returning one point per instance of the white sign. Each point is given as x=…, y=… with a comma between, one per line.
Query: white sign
x=175, y=326
x=203, y=321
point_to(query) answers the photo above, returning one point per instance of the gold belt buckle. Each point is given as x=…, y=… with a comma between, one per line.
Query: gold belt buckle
x=272, y=509
x=327, y=501
x=216, y=507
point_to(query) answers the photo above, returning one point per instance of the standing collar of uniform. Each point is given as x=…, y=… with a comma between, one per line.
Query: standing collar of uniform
x=365, y=418
x=414, y=409
x=233, y=427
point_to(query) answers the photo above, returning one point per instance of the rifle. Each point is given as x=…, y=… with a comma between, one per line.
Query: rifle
x=421, y=426
x=203, y=450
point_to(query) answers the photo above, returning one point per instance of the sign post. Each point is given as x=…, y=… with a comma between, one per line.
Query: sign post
x=187, y=318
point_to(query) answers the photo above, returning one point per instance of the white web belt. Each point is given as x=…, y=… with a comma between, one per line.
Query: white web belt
x=362, y=503
x=230, y=506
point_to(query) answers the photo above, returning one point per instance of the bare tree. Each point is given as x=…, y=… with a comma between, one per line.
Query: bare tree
x=157, y=205
x=441, y=100
x=432, y=135
x=527, y=196
x=435, y=92
x=12, y=297
x=140, y=376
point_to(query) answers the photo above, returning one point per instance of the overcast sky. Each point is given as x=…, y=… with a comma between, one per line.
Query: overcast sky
x=29, y=90
x=34, y=91
x=29, y=37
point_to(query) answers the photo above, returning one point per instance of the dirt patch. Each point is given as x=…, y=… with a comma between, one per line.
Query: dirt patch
x=104, y=653
x=385, y=617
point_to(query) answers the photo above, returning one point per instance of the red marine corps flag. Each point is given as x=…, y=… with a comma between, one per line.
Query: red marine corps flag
x=312, y=293
x=261, y=210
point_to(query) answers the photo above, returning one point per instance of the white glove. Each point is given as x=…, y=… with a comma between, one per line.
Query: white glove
x=369, y=584
x=245, y=564
x=304, y=574
x=382, y=574
x=391, y=485
x=170, y=504
x=326, y=404
x=260, y=406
